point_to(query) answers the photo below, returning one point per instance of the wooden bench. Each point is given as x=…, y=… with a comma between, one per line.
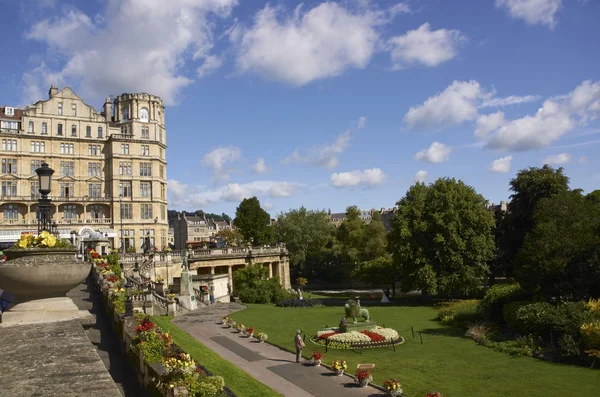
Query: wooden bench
x=362, y=367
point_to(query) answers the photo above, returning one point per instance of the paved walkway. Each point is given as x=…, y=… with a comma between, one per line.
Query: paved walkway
x=272, y=366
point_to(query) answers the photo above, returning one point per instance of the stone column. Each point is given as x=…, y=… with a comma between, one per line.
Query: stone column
x=212, y=270
x=230, y=276
x=270, y=270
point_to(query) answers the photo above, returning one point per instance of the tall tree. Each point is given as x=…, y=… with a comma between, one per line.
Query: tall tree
x=306, y=234
x=559, y=257
x=375, y=243
x=253, y=222
x=442, y=238
x=231, y=236
x=350, y=240
x=381, y=271
x=528, y=187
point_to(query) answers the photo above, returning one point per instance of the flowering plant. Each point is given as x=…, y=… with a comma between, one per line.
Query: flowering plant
x=224, y=320
x=249, y=330
x=168, y=249
x=43, y=240
x=240, y=327
x=181, y=364
x=393, y=387
x=434, y=394
x=363, y=376
x=262, y=336
x=171, y=297
x=339, y=365
x=160, y=279
x=317, y=355
x=145, y=325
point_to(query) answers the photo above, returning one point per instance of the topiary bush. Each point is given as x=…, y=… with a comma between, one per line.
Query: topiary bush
x=497, y=296
x=460, y=313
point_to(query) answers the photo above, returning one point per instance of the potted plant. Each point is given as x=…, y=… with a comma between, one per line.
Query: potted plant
x=250, y=332
x=363, y=377
x=316, y=358
x=262, y=337
x=240, y=328
x=339, y=366
x=392, y=387
x=231, y=323
x=434, y=394
x=224, y=320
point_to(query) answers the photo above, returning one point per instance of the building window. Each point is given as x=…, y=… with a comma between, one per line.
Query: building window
x=59, y=129
x=44, y=128
x=124, y=130
x=124, y=148
x=88, y=131
x=99, y=132
x=126, y=114
x=60, y=109
x=9, y=111
x=35, y=189
x=147, y=233
x=9, y=145
x=9, y=166
x=9, y=188
x=66, y=190
x=70, y=212
x=73, y=130
x=95, y=190
x=67, y=148
x=145, y=132
x=67, y=168
x=30, y=127
x=73, y=109
x=128, y=237
x=145, y=150
x=125, y=168
x=163, y=212
x=144, y=114
x=161, y=170
x=94, y=169
x=10, y=212
x=38, y=147
x=35, y=164
x=146, y=211
x=126, y=211
x=125, y=189
x=145, y=169
x=94, y=150
x=145, y=189
x=96, y=212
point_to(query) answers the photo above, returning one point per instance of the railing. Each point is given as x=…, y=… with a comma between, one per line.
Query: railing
x=163, y=303
x=122, y=136
x=238, y=251
x=9, y=130
x=56, y=198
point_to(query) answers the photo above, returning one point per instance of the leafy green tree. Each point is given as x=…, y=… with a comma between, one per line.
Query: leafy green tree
x=306, y=234
x=529, y=187
x=350, y=240
x=441, y=238
x=253, y=222
x=231, y=236
x=559, y=258
x=375, y=242
x=381, y=271
x=594, y=196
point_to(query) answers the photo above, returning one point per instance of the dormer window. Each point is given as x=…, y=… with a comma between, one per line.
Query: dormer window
x=60, y=109
x=125, y=114
x=144, y=114
x=73, y=110
x=9, y=111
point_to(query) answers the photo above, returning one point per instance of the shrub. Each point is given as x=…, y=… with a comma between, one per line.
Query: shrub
x=295, y=302
x=535, y=318
x=591, y=335
x=478, y=333
x=460, y=313
x=510, y=313
x=264, y=291
x=568, y=346
x=496, y=297
x=152, y=346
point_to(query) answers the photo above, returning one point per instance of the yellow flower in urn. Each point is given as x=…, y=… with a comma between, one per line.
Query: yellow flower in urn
x=26, y=241
x=46, y=239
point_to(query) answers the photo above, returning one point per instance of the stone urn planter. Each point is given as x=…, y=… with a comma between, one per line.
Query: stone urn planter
x=40, y=279
x=339, y=372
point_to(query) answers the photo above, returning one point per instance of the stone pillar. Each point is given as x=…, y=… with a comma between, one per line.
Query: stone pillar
x=187, y=298
x=171, y=309
x=230, y=276
x=212, y=270
x=270, y=270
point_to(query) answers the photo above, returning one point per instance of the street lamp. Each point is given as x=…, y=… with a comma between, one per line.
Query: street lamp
x=44, y=174
x=121, y=216
x=128, y=302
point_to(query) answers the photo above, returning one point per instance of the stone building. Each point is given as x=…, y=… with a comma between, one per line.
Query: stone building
x=194, y=230
x=110, y=168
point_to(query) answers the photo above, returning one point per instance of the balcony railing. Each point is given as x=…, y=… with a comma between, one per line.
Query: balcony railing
x=56, y=198
x=122, y=136
x=10, y=130
x=62, y=221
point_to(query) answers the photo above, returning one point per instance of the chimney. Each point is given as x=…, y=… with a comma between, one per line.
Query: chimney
x=108, y=109
x=53, y=91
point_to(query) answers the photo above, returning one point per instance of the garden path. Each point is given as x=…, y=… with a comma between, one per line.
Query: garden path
x=269, y=364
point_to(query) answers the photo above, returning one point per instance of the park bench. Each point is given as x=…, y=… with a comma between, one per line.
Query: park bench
x=366, y=366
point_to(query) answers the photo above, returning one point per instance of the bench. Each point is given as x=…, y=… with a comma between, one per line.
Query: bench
x=363, y=367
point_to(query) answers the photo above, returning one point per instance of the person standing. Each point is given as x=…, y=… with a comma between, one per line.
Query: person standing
x=299, y=345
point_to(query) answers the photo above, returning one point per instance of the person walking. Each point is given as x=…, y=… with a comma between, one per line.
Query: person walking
x=299, y=345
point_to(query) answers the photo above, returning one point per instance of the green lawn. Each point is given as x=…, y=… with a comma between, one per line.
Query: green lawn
x=242, y=384
x=447, y=362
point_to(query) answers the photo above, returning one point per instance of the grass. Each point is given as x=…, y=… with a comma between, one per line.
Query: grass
x=447, y=362
x=242, y=384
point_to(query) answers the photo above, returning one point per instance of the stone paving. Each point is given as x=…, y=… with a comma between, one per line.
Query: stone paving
x=270, y=365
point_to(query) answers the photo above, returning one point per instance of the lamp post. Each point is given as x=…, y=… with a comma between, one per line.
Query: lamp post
x=44, y=174
x=128, y=302
x=121, y=217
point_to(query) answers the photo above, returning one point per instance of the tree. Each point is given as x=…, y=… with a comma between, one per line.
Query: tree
x=594, y=196
x=441, y=238
x=231, y=236
x=375, y=242
x=381, y=271
x=253, y=222
x=529, y=187
x=306, y=234
x=559, y=257
x=351, y=239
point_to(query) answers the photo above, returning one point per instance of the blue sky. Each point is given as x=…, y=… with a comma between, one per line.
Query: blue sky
x=329, y=104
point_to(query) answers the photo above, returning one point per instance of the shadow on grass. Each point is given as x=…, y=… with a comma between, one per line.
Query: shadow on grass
x=444, y=331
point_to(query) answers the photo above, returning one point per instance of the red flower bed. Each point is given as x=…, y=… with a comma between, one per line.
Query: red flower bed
x=374, y=337
x=112, y=279
x=327, y=335
x=145, y=325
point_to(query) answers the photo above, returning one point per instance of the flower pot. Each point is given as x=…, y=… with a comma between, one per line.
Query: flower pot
x=395, y=393
x=251, y=335
x=339, y=372
x=363, y=383
x=317, y=363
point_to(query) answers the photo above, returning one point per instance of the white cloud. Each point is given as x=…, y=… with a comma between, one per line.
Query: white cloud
x=556, y=159
x=583, y=160
x=218, y=158
x=322, y=42
x=325, y=155
x=273, y=189
x=557, y=117
x=370, y=178
x=260, y=167
x=501, y=165
x=211, y=63
x=131, y=46
x=509, y=100
x=424, y=46
x=186, y=196
x=267, y=206
x=421, y=176
x=436, y=153
x=454, y=105
x=533, y=11
x=488, y=122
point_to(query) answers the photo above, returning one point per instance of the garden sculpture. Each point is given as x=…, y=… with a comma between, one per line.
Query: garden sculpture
x=354, y=310
x=184, y=259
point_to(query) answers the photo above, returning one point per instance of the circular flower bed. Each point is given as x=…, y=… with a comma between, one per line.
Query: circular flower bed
x=375, y=337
